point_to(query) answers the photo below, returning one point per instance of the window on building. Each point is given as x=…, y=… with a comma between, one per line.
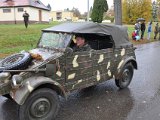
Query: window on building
x=7, y=10
x=20, y=10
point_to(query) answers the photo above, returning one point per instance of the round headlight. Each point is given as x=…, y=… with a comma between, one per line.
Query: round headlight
x=17, y=80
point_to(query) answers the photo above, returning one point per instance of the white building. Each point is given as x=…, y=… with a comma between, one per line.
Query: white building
x=11, y=11
x=62, y=16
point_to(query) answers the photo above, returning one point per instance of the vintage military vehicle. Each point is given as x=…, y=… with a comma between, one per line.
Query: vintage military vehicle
x=35, y=79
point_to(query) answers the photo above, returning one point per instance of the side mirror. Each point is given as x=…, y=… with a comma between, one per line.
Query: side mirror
x=69, y=51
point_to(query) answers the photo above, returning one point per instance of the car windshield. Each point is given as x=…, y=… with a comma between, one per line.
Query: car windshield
x=54, y=40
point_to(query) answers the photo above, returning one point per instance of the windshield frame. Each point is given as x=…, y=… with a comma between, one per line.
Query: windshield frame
x=39, y=46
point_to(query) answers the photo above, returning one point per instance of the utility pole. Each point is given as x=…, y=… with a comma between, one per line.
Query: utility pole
x=88, y=10
x=118, y=12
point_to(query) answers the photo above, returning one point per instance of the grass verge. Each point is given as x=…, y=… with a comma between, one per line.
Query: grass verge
x=14, y=38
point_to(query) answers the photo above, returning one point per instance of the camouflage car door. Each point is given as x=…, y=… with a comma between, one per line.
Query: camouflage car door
x=103, y=64
x=79, y=70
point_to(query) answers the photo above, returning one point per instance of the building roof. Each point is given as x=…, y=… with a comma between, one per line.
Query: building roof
x=20, y=3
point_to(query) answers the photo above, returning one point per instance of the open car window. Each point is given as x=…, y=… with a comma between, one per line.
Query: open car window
x=97, y=42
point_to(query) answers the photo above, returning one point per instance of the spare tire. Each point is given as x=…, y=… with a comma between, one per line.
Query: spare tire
x=16, y=62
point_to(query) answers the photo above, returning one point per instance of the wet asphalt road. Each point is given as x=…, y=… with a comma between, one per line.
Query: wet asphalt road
x=140, y=101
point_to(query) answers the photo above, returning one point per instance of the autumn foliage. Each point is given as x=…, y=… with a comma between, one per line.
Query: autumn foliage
x=133, y=9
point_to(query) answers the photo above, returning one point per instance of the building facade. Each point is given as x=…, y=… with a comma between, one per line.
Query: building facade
x=62, y=16
x=11, y=11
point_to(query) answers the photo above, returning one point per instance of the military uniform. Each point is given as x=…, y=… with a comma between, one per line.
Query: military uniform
x=86, y=47
x=26, y=19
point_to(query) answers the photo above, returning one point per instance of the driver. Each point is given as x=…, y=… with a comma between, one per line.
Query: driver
x=81, y=44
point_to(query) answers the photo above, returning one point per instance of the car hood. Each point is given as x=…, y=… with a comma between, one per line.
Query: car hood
x=43, y=56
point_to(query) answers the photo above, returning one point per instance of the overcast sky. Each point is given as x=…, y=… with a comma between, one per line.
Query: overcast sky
x=63, y=4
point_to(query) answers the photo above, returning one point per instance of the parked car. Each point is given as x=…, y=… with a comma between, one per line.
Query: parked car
x=35, y=79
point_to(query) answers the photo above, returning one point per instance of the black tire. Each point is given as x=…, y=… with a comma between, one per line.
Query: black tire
x=125, y=77
x=15, y=62
x=42, y=104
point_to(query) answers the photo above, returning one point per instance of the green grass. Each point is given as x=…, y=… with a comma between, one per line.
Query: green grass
x=15, y=38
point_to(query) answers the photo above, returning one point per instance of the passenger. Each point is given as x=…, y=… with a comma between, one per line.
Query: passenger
x=156, y=31
x=81, y=44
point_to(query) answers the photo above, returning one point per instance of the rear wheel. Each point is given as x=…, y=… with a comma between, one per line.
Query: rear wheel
x=125, y=77
x=42, y=104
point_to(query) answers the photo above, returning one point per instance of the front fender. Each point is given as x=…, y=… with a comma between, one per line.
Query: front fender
x=122, y=63
x=20, y=95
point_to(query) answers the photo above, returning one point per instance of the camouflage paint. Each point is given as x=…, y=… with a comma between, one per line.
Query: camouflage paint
x=77, y=70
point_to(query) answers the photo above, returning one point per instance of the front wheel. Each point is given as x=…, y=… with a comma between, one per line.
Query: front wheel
x=126, y=76
x=42, y=104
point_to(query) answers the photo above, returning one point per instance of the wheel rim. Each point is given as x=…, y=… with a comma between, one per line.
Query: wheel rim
x=125, y=77
x=12, y=60
x=40, y=108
